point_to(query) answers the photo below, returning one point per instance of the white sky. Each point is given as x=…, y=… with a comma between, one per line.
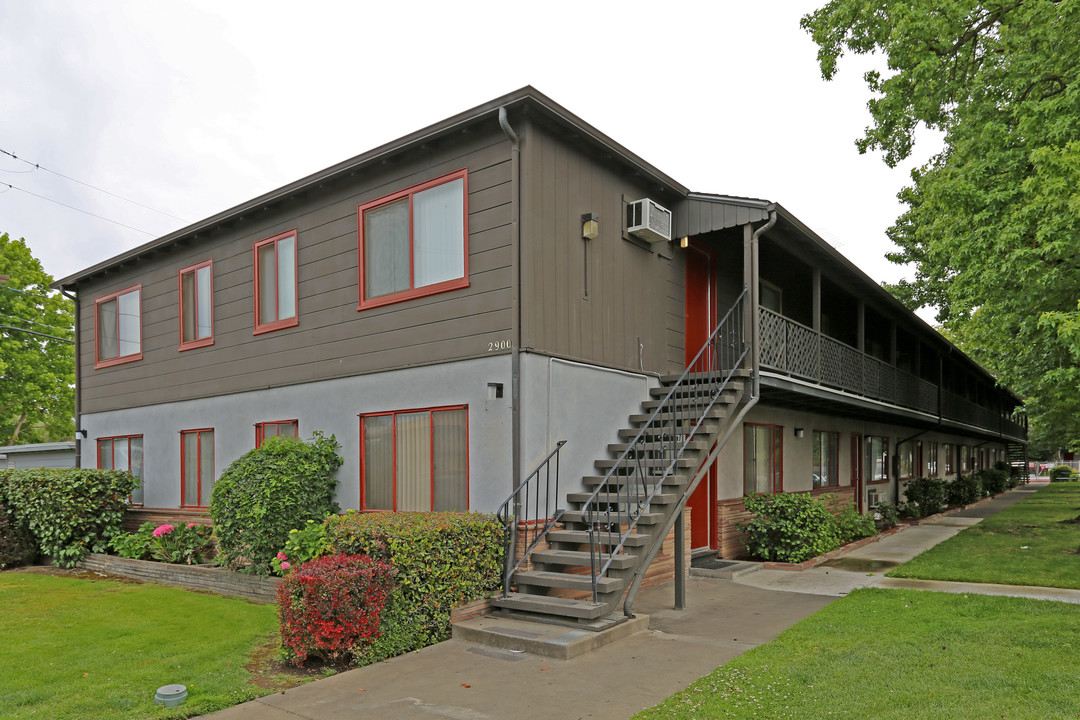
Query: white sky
x=193, y=107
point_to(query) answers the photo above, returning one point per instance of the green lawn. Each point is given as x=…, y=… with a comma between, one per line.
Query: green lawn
x=902, y=654
x=83, y=650
x=1026, y=544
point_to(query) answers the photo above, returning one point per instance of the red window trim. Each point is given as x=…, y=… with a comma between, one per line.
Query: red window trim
x=261, y=427
x=870, y=466
x=295, y=319
x=778, y=432
x=431, y=439
x=835, y=434
x=415, y=292
x=856, y=460
x=203, y=342
x=198, y=454
x=98, y=364
x=112, y=460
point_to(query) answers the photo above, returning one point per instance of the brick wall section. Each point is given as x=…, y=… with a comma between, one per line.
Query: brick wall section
x=731, y=512
x=196, y=577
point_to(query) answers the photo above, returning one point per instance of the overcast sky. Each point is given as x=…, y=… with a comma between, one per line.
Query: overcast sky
x=193, y=107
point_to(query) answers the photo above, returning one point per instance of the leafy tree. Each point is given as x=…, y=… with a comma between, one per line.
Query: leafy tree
x=992, y=224
x=37, y=373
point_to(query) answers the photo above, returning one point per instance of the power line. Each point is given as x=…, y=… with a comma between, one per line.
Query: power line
x=72, y=207
x=31, y=332
x=37, y=166
x=32, y=322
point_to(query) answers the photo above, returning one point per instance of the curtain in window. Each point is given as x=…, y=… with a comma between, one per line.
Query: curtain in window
x=187, y=306
x=206, y=466
x=106, y=327
x=438, y=234
x=204, y=315
x=189, y=448
x=413, y=444
x=759, y=447
x=450, y=437
x=379, y=462
x=878, y=459
x=136, y=468
x=267, y=282
x=386, y=249
x=286, y=277
x=128, y=328
x=105, y=454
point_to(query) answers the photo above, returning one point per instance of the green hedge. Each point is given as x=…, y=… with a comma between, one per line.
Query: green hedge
x=69, y=512
x=441, y=559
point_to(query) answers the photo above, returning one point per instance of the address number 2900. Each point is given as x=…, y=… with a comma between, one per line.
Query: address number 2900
x=499, y=345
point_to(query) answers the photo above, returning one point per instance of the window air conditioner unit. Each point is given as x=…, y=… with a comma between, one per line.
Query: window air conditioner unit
x=873, y=497
x=648, y=221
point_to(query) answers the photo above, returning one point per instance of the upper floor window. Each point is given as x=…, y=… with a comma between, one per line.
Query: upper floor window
x=414, y=242
x=197, y=306
x=275, y=283
x=286, y=428
x=826, y=459
x=118, y=327
x=763, y=459
x=123, y=453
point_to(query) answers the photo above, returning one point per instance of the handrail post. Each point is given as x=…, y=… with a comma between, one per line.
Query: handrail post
x=680, y=562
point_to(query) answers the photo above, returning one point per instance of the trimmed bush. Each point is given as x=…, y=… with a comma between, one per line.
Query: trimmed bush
x=1061, y=473
x=788, y=527
x=330, y=607
x=69, y=512
x=850, y=525
x=925, y=496
x=17, y=546
x=269, y=491
x=889, y=514
x=441, y=559
x=994, y=481
x=964, y=490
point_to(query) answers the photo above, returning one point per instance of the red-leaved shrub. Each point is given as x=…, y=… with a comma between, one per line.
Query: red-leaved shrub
x=330, y=607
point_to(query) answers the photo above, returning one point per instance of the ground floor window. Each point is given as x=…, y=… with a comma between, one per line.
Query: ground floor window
x=763, y=465
x=123, y=452
x=196, y=467
x=950, y=458
x=285, y=428
x=826, y=459
x=415, y=460
x=877, y=459
x=932, y=460
x=906, y=453
x=966, y=460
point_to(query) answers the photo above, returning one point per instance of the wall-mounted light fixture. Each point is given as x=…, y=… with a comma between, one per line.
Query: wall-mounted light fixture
x=684, y=243
x=799, y=432
x=590, y=225
x=81, y=433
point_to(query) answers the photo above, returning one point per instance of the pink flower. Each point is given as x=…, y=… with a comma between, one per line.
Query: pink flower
x=163, y=530
x=191, y=525
x=286, y=565
x=282, y=556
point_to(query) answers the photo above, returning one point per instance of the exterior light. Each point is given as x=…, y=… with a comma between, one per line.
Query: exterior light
x=684, y=243
x=799, y=432
x=590, y=226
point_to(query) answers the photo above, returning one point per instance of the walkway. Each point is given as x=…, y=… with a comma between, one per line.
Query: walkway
x=464, y=681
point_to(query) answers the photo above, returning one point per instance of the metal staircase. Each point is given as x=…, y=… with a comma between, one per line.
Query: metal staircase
x=601, y=542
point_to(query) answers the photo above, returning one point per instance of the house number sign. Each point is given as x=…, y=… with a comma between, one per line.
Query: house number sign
x=499, y=345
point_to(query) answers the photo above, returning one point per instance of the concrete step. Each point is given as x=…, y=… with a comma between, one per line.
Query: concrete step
x=719, y=375
x=630, y=465
x=692, y=388
x=647, y=446
x=566, y=581
x=518, y=637
x=581, y=558
x=617, y=498
x=718, y=411
x=724, y=398
x=672, y=482
x=544, y=605
x=576, y=516
x=581, y=537
x=704, y=434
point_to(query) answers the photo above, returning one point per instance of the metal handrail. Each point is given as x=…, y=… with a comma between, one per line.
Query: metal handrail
x=522, y=507
x=672, y=426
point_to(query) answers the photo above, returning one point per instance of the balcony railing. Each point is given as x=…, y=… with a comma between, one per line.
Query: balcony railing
x=797, y=350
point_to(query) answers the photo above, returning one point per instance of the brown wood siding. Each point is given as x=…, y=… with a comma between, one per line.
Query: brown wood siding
x=632, y=291
x=332, y=338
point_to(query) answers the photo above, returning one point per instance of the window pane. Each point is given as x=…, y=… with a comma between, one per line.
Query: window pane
x=105, y=454
x=267, y=280
x=819, y=477
x=386, y=249
x=451, y=460
x=414, y=461
x=128, y=310
x=136, y=468
x=106, y=339
x=187, y=306
x=206, y=466
x=438, y=234
x=189, y=447
x=205, y=314
x=286, y=277
x=379, y=462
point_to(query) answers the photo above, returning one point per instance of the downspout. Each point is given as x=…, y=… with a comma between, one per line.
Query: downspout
x=515, y=305
x=755, y=315
x=78, y=381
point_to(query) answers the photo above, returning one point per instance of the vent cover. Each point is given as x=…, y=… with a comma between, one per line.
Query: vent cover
x=648, y=221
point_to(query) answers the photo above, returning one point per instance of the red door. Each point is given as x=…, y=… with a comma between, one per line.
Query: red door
x=701, y=276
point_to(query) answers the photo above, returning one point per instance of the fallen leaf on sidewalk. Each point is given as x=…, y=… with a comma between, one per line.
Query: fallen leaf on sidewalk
x=466, y=685
x=546, y=667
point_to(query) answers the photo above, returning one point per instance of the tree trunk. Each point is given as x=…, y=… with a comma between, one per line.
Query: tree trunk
x=18, y=427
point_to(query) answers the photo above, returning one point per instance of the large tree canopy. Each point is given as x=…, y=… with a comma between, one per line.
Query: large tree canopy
x=37, y=372
x=992, y=224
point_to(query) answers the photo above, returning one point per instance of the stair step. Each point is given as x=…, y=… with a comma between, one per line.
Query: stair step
x=737, y=373
x=631, y=464
x=581, y=537
x=716, y=412
x=674, y=482
x=581, y=558
x=724, y=398
x=545, y=605
x=616, y=497
x=649, y=518
x=703, y=433
x=653, y=445
x=691, y=389
x=566, y=581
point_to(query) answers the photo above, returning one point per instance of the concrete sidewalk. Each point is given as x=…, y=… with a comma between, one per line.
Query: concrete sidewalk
x=465, y=681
